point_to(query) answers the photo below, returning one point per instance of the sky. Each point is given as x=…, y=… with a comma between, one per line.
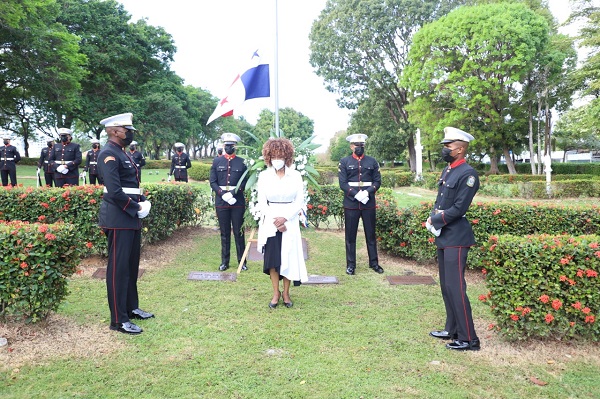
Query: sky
x=215, y=40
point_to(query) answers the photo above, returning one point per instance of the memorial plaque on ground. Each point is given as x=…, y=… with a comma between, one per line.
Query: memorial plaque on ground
x=100, y=273
x=212, y=276
x=322, y=280
x=410, y=280
x=254, y=255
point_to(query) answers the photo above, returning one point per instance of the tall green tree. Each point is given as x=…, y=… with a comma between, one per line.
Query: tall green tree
x=339, y=146
x=291, y=122
x=468, y=70
x=360, y=48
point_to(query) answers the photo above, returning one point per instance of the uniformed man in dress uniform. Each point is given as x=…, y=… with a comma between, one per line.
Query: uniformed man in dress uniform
x=180, y=163
x=9, y=157
x=359, y=179
x=230, y=204
x=91, y=162
x=137, y=157
x=65, y=159
x=122, y=208
x=44, y=163
x=454, y=236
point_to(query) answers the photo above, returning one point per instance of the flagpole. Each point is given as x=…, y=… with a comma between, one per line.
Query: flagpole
x=276, y=72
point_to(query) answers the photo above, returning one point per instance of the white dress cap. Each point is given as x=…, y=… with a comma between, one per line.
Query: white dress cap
x=125, y=120
x=453, y=134
x=64, y=130
x=6, y=137
x=230, y=138
x=134, y=143
x=178, y=145
x=357, y=138
x=95, y=141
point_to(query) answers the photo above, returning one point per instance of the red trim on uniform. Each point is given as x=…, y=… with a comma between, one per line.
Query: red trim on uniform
x=462, y=294
x=356, y=157
x=126, y=205
x=458, y=163
x=229, y=157
x=114, y=273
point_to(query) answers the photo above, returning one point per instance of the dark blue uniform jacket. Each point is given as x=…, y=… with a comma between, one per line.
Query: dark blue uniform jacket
x=227, y=173
x=355, y=174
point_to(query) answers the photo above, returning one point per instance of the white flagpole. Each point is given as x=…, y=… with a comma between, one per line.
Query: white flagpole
x=276, y=72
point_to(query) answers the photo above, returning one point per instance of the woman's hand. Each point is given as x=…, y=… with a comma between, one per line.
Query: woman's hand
x=279, y=222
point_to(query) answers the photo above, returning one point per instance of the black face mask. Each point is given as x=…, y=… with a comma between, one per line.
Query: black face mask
x=95, y=146
x=64, y=139
x=229, y=149
x=50, y=144
x=128, y=137
x=359, y=151
x=179, y=150
x=447, y=155
x=6, y=142
x=132, y=147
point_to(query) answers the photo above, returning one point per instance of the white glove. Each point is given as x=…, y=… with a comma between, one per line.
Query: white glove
x=432, y=229
x=38, y=171
x=84, y=173
x=232, y=201
x=361, y=195
x=146, y=205
x=365, y=200
x=227, y=196
x=168, y=177
x=62, y=169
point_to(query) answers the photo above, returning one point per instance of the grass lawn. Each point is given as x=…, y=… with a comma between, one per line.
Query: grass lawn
x=361, y=338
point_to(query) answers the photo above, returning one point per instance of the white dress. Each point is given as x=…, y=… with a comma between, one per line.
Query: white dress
x=282, y=197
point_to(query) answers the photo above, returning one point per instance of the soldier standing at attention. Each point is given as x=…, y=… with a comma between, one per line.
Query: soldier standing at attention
x=137, y=157
x=44, y=163
x=9, y=157
x=65, y=159
x=359, y=179
x=180, y=163
x=454, y=237
x=91, y=162
x=230, y=204
x=122, y=208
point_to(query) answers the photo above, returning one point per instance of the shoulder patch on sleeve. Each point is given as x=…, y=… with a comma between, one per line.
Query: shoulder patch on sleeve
x=471, y=181
x=108, y=159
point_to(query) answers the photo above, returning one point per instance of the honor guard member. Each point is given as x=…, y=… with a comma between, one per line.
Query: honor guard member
x=137, y=157
x=454, y=237
x=91, y=162
x=359, y=179
x=230, y=204
x=122, y=208
x=65, y=159
x=220, y=151
x=9, y=156
x=44, y=163
x=180, y=163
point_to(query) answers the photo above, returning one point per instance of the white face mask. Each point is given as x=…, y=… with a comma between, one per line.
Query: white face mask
x=277, y=163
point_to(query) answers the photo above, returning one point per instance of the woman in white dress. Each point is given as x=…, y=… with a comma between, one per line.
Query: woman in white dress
x=280, y=200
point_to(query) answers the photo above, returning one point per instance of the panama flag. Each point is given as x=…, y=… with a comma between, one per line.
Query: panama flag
x=253, y=83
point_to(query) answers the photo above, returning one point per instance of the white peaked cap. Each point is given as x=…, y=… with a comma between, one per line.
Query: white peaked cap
x=230, y=138
x=125, y=120
x=6, y=137
x=357, y=138
x=64, y=130
x=134, y=143
x=178, y=145
x=95, y=141
x=453, y=134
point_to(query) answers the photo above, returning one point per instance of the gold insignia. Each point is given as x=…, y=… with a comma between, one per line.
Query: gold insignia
x=108, y=159
x=471, y=181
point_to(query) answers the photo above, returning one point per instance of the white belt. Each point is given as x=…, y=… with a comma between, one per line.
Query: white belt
x=45, y=161
x=137, y=164
x=226, y=188
x=128, y=190
x=180, y=167
x=359, y=183
x=63, y=162
x=93, y=163
x=9, y=159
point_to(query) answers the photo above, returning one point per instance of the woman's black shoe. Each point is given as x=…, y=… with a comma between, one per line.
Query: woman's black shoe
x=272, y=305
x=288, y=304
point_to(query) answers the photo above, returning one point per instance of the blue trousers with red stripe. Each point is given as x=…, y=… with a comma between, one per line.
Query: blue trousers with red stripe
x=452, y=262
x=122, y=272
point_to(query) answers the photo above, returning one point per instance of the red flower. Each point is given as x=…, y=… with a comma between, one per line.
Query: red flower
x=492, y=247
x=320, y=206
x=325, y=209
x=23, y=265
x=43, y=228
x=482, y=298
x=92, y=201
x=309, y=206
x=50, y=237
x=494, y=238
x=572, y=323
x=27, y=275
x=65, y=195
x=484, y=271
x=491, y=326
x=45, y=205
x=514, y=317
x=549, y=318
x=52, y=199
x=544, y=298
x=586, y=310
x=593, y=245
x=556, y=304
x=564, y=261
x=571, y=282
x=526, y=311
x=590, y=319
x=475, y=221
x=497, y=211
x=591, y=273
x=597, y=253
x=402, y=244
x=23, y=196
x=563, y=278
x=579, y=273
x=41, y=218
x=431, y=239
x=577, y=305
x=89, y=244
x=519, y=308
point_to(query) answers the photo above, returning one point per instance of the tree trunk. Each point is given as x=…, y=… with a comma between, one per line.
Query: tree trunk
x=539, y=138
x=509, y=161
x=530, y=110
x=412, y=154
x=493, y=163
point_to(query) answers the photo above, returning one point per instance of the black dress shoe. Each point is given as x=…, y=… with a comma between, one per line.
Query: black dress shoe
x=140, y=314
x=126, y=328
x=244, y=267
x=377, y=268
x=350, y=271
x=459, y=345
x=223, y=267
x=443, y=335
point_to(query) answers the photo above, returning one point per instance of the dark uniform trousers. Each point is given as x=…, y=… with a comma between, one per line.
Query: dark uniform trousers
x=9, y=156
x=91, y=166
x=119, y=220
x=226, y=172
x=44, y=164
x=180, y=163
x=68, y=155
x=457, y=186
x=357, y=174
